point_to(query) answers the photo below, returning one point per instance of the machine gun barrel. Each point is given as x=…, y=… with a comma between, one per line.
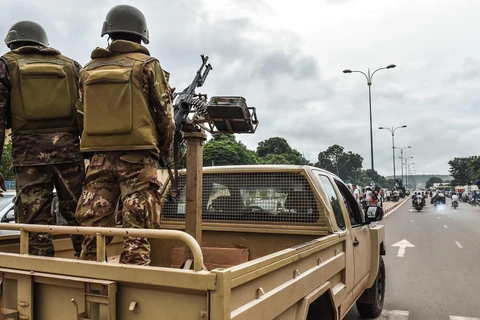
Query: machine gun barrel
x=184, y=100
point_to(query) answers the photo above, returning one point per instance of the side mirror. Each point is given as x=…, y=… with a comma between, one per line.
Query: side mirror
x=374, y=213
x=10, y=215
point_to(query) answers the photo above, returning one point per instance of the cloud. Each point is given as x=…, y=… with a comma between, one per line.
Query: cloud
x=287, y=59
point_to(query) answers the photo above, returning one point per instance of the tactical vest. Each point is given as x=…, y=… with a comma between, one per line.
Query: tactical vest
x=117, y=115
x=44, y=91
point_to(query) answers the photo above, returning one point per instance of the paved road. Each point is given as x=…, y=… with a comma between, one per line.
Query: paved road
x=439, y=278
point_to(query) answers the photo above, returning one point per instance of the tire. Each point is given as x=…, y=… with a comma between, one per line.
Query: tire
x=377, y=291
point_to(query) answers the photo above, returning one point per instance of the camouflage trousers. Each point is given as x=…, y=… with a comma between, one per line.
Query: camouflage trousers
x=125, y=180
x=33, y=204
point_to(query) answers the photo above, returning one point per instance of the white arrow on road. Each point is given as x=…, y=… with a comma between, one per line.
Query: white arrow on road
x=401, y=247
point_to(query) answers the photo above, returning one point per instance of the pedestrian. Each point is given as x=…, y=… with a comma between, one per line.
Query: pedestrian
x=356, y=193
x=368, y=196
x=38, y=91
x=381, y=196
x=127, y=115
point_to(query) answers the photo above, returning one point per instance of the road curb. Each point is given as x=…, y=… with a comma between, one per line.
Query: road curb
x=389, y=210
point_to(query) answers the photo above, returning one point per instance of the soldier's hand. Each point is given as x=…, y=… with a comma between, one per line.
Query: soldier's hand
x=2, y=185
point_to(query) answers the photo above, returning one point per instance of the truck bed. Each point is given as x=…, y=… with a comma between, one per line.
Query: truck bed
x=115, y=291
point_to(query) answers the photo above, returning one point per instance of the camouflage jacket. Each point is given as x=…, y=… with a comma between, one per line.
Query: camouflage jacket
x=35, y=148
x=159, y=94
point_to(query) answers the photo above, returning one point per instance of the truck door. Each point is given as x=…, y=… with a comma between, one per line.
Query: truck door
x=360, y=234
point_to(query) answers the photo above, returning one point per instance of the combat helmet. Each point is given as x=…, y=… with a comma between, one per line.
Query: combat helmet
x=126, y=19
x=26, y=31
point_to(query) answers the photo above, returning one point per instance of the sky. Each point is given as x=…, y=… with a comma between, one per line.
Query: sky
x=286, y=58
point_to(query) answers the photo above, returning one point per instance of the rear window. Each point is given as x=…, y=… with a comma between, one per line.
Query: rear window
x=284, y=197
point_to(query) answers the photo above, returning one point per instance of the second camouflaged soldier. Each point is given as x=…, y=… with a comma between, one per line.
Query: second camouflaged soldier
x=126, y=111
x=38, y=92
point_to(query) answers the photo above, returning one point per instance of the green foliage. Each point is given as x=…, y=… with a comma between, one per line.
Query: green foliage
x=223, y=150
x=276, y=150
x=464, y=170
x=431, y=181
x=364, y=178
x=459, y=170
x=275, y=145
x=474, y=168
x=6, y=167
x=274, y=159
x=337, y=161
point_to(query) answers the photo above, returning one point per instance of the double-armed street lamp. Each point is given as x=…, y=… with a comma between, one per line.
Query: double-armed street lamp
x=406, y=168
x=401, y=157
x=392, y=130
x=369, y=83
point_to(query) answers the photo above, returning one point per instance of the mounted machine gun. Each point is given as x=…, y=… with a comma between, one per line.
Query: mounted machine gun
x=193, y=116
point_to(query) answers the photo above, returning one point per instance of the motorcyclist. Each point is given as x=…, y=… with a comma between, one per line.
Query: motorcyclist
x=423, y=199
x=439, y=197
x=454, y=199
x=418, y=199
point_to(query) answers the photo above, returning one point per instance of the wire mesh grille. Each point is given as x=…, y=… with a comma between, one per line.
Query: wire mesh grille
x=266, y=197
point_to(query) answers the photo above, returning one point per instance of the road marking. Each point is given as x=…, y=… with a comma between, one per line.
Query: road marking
x=402, y=245
x=438, y=217
x=393, y=315
x=445, y=226
x=463, y=318
x=411, y=220
x=459, y=245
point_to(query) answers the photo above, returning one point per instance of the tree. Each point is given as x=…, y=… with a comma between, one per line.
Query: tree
x=474, y=168
x=365, y=177
x=329, y=158
x=433, y=180
x=6, y=166
x=276, y=150
x=459, y=168
x=274, y=159
x=223, y=150
x=337, y=161
x=274, y=145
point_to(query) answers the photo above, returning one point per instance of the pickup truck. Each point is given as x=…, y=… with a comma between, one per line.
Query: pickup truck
x=278, y=242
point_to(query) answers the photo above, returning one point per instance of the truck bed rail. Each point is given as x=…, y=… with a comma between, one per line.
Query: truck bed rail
x=101, y=233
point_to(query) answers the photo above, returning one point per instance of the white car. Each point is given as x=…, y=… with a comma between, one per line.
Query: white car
x=7, y=214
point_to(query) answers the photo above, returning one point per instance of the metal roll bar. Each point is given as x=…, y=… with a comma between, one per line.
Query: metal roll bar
x=101, y=233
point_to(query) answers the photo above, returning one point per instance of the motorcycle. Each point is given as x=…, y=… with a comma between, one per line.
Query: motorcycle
x=454, y=204
x=418, y=204
x=438, y=202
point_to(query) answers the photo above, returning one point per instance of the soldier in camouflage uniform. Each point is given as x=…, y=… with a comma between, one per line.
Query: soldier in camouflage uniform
x=125, y=107
x=38, y=92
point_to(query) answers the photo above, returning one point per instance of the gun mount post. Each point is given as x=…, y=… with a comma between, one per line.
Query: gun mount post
x=193, y=209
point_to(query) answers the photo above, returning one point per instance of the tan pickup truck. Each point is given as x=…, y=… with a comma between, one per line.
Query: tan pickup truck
x=277, y=242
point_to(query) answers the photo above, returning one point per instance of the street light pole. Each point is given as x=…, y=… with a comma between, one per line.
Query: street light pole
x=401, y=157
x=406, y=168
x=392, y=130
x=369, y=83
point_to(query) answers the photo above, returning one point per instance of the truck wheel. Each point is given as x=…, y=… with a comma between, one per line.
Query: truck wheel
x=377, y=292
